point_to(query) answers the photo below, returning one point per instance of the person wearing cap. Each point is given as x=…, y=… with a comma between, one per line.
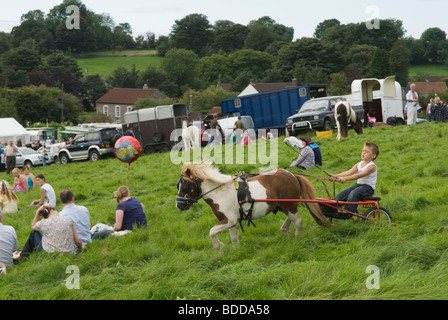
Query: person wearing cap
x=306, y=159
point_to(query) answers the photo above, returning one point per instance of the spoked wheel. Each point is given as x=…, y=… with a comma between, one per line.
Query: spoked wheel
x=383, y=217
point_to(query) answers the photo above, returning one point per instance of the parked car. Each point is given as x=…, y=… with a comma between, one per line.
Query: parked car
x=90, y=145
x=317, y=114
x=28, y=157
x=53, y=151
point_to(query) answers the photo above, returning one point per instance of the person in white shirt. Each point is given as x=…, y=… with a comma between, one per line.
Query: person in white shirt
x=47, y=194
x=365, y=172
x=10, y=153
x=412, y=105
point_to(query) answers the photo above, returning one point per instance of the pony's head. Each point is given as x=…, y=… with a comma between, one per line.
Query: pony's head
x=358, y=125
x=189, y=187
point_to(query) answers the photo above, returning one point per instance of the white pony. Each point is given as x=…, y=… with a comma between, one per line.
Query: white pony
x=202, y=181
x=190, y=136
x=345, y=115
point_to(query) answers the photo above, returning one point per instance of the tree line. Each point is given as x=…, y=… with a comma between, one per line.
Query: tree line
x=39, y=53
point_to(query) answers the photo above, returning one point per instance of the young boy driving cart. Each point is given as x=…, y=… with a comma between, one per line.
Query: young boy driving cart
x=365, y=172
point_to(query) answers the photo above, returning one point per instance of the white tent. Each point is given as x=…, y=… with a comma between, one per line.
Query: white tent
x=10, y=129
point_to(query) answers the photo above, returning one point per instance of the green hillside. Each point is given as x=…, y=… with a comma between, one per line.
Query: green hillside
x=105, y=65
x=432, y=70
x=173, y=257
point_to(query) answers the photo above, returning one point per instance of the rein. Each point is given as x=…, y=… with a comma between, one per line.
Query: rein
x=216, y=188
x=187, y=199
x=322, y=179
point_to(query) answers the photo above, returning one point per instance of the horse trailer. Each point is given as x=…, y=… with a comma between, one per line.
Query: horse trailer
x=270, y=110
x=381, y=98
x=152, y=127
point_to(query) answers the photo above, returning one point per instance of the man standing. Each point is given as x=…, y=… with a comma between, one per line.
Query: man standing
x=215, y=136
x=79, y=214
x=239, y=129
x=412, y=105
x=10, y=152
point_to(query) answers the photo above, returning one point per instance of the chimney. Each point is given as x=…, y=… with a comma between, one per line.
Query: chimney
x=294, y=82
x=145, y=87
x=252, y=81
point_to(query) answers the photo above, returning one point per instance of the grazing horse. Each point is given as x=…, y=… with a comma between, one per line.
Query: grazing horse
x=190, y=136
x=203, y=181
x=345, y=115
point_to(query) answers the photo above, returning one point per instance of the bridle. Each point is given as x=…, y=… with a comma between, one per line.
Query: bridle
x=187, y=190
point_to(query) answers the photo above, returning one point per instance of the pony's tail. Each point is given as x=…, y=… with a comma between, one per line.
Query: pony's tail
x=307, y=192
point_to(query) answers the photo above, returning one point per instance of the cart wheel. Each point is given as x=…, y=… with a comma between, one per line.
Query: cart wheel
x=384, y=216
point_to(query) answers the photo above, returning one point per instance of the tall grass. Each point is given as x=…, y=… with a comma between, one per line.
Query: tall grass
x=173, y=257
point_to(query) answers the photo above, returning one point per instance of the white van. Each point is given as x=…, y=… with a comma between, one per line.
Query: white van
x=228, y=124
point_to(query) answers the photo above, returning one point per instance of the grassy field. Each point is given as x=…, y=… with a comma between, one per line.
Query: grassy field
x=429, y=69
x=105, y=65
x=173, y=257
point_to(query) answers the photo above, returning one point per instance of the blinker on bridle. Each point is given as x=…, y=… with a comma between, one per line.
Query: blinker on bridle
x=186, y=189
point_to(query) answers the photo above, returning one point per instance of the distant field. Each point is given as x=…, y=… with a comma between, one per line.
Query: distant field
x=104, y=63
x=430, y=69
x=121, y=53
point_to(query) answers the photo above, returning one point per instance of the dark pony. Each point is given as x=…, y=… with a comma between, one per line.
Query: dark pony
x=345, y=115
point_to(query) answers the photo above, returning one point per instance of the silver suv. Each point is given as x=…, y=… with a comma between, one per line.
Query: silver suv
x=91, y=145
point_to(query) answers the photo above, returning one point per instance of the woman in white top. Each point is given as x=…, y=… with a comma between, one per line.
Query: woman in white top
x=365, y=172
x=47, y=194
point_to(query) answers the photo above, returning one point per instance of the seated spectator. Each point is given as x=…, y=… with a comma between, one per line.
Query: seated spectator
x=30, y=178
x=306, y=159
x=47, y=194
x=20, y=183
x=79, y=214
x=129, y=212
x=316, y=150
x=8, y=243
x=51, y=234
x=8, y=200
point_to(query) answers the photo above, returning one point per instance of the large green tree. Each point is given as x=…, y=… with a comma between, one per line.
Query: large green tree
x=400, y=61
x=265, y=31
x=435, y=46
x=229, y=36
x=248, y=60
x=194, y=32
x=215, y=67
x=380, y=65
x=182, y=67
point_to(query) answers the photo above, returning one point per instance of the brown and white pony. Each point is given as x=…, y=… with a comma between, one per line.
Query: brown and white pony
x=218, y=191
x=345, y=115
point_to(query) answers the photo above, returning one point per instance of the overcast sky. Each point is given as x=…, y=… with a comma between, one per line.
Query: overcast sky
x=303, y=15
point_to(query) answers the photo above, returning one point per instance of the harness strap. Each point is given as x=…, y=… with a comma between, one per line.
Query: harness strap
x=244, y=196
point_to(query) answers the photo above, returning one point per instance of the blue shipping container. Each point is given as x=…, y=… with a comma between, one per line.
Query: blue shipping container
x=269, y=110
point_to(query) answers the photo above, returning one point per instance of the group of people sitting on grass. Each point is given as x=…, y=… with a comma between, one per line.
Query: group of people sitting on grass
x=66, y=231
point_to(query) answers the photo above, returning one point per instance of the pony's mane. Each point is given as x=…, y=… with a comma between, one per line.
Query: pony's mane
x=204, y=171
